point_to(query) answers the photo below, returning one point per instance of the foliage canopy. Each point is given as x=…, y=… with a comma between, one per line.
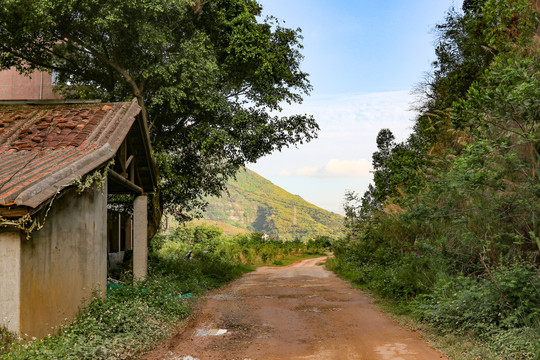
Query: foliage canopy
x=208, y=75
x=450, y=224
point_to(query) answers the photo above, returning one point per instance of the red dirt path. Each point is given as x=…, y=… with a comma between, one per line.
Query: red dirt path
x=301, y=311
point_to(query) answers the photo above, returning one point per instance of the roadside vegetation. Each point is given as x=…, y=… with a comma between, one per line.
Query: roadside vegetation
x=133, y=317
x=253, y=249
x=449, y=231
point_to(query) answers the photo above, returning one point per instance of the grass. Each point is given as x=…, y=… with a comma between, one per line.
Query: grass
x=6, y=339
x=465, y=346
x=454, y=346
x=132, y=318
x=254, y=249
x=496, y=343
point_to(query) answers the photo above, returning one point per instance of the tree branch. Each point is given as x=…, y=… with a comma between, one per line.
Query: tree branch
x=136, y=90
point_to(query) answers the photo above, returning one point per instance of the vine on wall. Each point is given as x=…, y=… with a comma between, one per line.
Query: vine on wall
x=29, y=223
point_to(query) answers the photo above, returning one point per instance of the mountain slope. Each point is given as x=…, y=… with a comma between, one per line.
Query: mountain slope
x=255, y=204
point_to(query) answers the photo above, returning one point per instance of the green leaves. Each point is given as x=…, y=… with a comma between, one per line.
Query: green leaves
x=132, y=319
x=207, y=75
x=463, y=212
x=511, y=27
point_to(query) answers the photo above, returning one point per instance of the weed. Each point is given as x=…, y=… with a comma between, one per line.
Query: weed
x=6, y=339
x=132, y=318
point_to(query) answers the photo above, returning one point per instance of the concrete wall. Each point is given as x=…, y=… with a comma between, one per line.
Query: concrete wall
x=64, y=262
x=140, y=238
x=14, y=86
x=10, y=276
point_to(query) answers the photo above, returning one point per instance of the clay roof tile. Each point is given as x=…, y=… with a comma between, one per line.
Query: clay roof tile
x=46, y=146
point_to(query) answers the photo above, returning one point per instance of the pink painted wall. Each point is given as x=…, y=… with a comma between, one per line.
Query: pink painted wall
x=14, y=86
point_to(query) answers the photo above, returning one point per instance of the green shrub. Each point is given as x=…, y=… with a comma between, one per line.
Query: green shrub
x=483, y=305
x=132, y=318
x=500, y=307
x=516, y=343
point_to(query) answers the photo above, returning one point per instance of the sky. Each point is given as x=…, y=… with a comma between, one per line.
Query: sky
x=364, y=59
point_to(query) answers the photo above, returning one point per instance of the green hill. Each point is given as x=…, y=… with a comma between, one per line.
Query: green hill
x=255, y=204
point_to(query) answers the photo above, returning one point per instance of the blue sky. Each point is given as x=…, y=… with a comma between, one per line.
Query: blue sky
x=364, y=59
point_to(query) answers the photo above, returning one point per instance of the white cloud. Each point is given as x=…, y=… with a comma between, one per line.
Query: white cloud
x=347, y=168
x=334, y=168
x=284, y=173
x=340, y=158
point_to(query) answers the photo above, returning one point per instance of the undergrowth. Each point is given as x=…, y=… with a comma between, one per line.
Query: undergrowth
x=500, y=312
x=251, y=249
x=132, y=318
x=449, y=227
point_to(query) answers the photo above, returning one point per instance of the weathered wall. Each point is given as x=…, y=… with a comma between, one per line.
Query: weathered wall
x=64, y=262
x=10, y=275
x=14, y=86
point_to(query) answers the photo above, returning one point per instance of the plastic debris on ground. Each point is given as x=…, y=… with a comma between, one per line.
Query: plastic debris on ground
x=180, y=357
x=217, y=332
x=210, y=332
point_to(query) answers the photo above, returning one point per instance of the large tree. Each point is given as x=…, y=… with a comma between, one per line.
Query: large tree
x=208, y=75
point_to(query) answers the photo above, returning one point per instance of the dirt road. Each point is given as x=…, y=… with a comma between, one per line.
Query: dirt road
x=301, y=311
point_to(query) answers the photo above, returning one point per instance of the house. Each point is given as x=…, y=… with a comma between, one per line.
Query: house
x=38, y=86
x=60, y=162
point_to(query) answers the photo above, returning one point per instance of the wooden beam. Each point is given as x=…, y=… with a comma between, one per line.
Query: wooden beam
x=122, y=155
x=14, y=212
x=132, y=169
x=129, y=160
x=116, y=177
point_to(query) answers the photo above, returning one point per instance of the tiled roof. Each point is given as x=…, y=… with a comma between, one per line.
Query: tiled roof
x=45, y=147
